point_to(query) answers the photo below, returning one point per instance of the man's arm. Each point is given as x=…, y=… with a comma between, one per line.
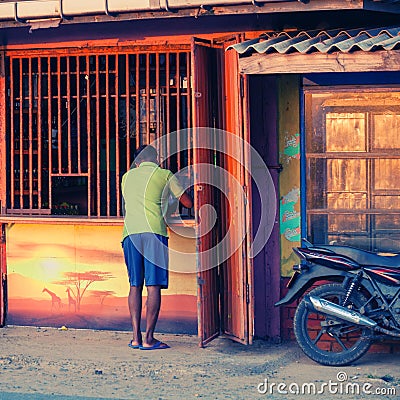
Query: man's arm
x=177, y=190
x=186, y=200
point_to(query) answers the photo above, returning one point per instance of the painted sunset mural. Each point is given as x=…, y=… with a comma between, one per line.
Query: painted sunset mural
x=75, y=276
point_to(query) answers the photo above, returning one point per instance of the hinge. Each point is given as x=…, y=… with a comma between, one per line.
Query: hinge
x=241, y=86
x=247, y=293
x=2, y=234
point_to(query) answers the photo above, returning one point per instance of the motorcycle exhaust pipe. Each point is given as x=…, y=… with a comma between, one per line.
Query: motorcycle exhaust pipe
x=334, y=310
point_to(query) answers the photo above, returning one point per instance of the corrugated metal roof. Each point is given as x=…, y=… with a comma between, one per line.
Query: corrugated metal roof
x=323, y=41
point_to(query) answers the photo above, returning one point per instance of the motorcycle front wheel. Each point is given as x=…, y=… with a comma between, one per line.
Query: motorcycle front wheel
x=329, y=340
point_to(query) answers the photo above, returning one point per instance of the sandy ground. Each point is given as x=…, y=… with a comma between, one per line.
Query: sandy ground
x=99, y=364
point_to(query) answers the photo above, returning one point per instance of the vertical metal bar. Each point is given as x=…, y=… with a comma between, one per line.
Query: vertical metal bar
x=68, y=106
x=89, y=135
x=304, y=98
x=189, y=108
x=59, y=126
x=167, y=111
x=30, y=137
x=158, y=102
x=78, y=112
x=127, y=111
x=49, y=134
x=248, y=214
x=178, y=112
x=21, y=133
x=39, y=132
x=98, y=133
x=12, y=137
x=147, y=98
x=3, y=157
x=107, y=162
x=117, y=189
x=138, y=98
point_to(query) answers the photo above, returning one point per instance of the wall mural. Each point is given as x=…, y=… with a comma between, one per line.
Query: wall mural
x=290, y=218
x=289, y=178
x=75, y=276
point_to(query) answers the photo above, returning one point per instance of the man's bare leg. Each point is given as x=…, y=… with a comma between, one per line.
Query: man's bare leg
x=135, y=309
x=153, y=310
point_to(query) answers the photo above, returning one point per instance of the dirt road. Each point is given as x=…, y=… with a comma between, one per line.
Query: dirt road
x=98, y=364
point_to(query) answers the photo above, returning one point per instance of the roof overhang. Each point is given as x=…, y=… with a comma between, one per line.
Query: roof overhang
x=20, y=13
x=322, y=51
x=316, y=63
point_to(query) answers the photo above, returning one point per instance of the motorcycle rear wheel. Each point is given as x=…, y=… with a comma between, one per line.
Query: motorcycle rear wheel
x=329, y=340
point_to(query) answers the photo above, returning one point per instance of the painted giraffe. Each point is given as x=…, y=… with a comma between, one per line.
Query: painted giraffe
x=55, y=300
x=71, y=300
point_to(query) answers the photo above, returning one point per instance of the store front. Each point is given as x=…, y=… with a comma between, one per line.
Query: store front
x=337, y=97
x=81, y=88
x=73, y=120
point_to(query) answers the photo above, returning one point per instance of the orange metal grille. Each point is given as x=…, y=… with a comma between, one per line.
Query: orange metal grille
x=74, y=121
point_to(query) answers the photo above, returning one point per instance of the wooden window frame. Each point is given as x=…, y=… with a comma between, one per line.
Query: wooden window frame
x=370, y=237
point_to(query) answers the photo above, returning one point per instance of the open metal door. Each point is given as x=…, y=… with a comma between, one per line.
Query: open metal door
x=225, y=299
x=203, y=95
x=3, y=190
x=237, y=272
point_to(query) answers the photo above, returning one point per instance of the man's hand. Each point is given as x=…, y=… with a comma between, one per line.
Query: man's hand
x=186, y=200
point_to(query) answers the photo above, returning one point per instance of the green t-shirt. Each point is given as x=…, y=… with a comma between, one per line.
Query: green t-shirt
x=146, y=190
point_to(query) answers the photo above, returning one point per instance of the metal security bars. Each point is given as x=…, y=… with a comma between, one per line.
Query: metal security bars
x=74, y=120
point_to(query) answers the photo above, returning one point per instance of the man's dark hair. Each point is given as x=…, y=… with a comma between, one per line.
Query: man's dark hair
x=145, y=153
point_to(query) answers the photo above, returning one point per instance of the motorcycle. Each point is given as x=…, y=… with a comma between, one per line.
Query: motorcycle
x=356, y=303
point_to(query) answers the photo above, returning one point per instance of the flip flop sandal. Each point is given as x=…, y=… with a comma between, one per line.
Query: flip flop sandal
x=156, y=346
x=133, y=346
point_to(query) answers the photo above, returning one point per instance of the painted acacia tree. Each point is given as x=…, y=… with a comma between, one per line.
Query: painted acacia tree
x=78, y=282
x=101, y=294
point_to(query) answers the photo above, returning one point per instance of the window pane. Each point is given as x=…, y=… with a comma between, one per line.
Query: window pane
x=387, y=174
x=345, y=132
x=387, y=131
x=346, y=175
x=348, y=201
x=387, y=221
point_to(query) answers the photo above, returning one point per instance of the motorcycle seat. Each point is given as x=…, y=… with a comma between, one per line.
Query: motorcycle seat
x=364, y=257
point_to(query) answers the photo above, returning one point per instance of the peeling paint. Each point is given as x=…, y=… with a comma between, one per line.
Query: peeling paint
x=289, y=217
x=291, y=148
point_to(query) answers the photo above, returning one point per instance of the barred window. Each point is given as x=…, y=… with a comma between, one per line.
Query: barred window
x=73, y=122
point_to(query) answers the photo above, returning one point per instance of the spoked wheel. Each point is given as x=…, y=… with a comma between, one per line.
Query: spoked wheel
x=329, y=340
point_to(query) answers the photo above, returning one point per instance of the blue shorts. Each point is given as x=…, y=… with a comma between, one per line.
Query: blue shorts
x=146, y=258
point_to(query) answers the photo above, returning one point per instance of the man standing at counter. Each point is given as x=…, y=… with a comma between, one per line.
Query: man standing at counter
x=145, y=191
